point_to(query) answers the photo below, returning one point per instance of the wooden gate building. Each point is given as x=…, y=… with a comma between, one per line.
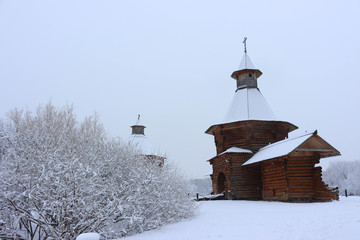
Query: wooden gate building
x=255, y=158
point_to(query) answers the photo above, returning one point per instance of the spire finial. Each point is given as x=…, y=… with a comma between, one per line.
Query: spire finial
x=244, y=42
x=138, y=116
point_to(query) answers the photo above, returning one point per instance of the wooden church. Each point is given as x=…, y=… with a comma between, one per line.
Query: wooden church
x=255, y=158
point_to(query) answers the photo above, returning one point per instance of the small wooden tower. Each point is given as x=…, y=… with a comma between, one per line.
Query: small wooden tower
x=139, y=139
x=250, y=127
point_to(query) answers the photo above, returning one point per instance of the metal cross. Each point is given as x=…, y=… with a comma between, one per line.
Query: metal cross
x=244, y=42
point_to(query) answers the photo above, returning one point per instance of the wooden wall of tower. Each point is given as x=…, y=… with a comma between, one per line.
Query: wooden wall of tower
x=251, y=135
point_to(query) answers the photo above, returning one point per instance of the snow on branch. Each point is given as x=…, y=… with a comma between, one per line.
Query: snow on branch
x=344, y=175
x=61, y=178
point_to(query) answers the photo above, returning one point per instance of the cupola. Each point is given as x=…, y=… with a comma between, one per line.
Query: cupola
x=248, y=103
x=139, y=139
x=247, y=75
x=138, y=128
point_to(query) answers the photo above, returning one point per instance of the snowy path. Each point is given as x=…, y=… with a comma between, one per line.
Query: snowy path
x=266, y=220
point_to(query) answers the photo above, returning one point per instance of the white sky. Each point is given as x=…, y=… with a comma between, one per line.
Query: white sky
x=171, y=62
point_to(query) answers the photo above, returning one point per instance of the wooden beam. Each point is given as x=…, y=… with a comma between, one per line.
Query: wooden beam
x=313, y=150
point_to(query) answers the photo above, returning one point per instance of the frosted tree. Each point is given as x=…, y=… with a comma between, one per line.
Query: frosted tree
x=61, y=178
x=344, y=175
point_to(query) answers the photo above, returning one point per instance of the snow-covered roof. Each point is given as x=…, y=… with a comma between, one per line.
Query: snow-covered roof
x=138, y=122
x=142, y=142
x=246, y=63
x=278, y=149
x=236, y=150
x=233, y=150
x=248, y=104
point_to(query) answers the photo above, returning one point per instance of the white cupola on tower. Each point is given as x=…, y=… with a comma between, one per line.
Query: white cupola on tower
x=248, y=103
x=139, y=139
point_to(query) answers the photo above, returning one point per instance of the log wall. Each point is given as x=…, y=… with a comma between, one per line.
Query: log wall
x=220, y=165
x=300, y=178
x=322, y=191
x=274, y=180
x=251, y=135
x=246, y=182
x=241, y=183
x=305, y=180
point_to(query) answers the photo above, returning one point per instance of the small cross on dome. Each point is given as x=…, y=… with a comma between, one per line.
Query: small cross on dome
x=244, y=42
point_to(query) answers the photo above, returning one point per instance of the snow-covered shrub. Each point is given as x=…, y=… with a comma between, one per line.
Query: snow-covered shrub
x=344, y=175
x=88, y=236
x=60, y=178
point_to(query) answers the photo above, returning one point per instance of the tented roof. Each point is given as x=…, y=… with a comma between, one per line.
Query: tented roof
x=249, y=104
x=245, y=66
x=246, y=63
x=138, y=123
x=143, y=144
x=300, y=143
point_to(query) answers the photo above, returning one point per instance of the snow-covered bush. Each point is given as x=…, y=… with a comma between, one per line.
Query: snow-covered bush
x=60, y=178
x=344, y=175
x=88, y=236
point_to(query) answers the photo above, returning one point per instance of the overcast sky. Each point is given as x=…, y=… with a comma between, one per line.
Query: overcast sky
x=171, y=62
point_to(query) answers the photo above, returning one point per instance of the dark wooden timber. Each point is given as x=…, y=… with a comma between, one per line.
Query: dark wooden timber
x=250, y=134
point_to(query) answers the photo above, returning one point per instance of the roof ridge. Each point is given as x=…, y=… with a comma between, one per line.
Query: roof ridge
x=283, y=141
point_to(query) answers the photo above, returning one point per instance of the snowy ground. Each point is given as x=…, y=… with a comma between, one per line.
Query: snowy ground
x=266, y=220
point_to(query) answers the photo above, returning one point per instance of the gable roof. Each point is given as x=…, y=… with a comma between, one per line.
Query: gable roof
x=301, y=143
